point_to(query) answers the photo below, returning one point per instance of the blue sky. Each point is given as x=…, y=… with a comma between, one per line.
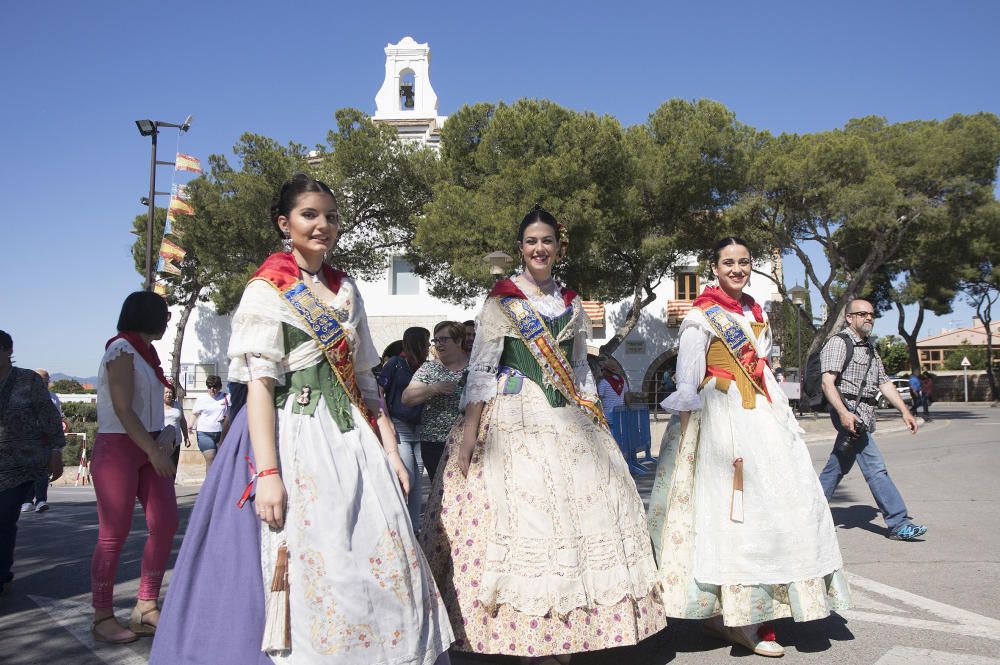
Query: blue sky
x=75, y=76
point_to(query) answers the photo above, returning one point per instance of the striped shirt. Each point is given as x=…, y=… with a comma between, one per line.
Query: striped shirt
x=832, y=360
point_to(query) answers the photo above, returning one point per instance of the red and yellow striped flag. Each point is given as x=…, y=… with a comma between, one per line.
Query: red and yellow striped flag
x=187, y=163
x=171, y=251
x=160, y=289
x=170, y=268
x=179, y=207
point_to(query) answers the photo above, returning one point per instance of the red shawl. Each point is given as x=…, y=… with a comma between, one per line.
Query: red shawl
x=282, y=270
x=145, y=351
x=507, y=287
x=713, y=295
x=616, y=382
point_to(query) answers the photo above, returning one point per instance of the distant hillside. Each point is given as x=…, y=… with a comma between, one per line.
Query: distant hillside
x=57, y=376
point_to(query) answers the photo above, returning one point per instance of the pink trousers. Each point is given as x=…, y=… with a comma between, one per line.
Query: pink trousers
x=122, y=473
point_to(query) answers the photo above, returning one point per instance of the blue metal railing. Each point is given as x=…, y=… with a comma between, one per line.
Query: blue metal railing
x=630, y=428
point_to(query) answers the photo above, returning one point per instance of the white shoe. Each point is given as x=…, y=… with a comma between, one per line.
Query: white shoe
x=27, y=507
x=747, y=636
x=41, y=507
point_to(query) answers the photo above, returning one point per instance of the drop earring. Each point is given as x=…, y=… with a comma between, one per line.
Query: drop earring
x=286, y=244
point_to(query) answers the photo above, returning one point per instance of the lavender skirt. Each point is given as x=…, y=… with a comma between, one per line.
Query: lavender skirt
x=213, y=613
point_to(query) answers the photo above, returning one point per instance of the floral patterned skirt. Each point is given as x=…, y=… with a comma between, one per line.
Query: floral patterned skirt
x=671, y=526
x=540, y=597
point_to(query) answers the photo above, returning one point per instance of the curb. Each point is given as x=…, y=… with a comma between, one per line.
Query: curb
x=829, y=436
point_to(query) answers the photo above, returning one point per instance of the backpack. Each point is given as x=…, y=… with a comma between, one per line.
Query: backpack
x=812, y=389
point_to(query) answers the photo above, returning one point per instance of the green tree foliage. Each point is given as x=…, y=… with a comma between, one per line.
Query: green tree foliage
x=81, y=417
x=67, y=387
x=976, y=355
x=894, y=353
x=863, y=192
x=632, y=200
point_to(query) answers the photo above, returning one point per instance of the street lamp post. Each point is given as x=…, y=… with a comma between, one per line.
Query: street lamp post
x=151, y=128
x=798, y=295
x=498, y=262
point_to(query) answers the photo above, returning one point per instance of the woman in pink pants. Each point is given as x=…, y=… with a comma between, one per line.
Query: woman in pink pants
x=128, y=463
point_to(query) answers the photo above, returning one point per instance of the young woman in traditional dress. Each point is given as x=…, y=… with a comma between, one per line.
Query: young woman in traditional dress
x=534, y=529
x=324, y=548
x=742, y=532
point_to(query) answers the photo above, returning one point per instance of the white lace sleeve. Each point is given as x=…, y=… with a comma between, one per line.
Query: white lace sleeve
x=365, y=354
x=257, y=347
x=481, y=385
x=690, y=367
x=584, y=377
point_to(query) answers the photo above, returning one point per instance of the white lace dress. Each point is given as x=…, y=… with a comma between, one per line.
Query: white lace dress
x=543, y=548
x=360, y=588
x=783, y=558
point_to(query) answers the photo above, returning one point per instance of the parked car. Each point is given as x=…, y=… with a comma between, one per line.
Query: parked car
x=903, y=386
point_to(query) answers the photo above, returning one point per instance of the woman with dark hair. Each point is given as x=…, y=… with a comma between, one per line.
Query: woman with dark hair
x=534, y=528
x=437, y=386
x=305, y=556
x=741, y=528
x=31, y=443
x=129, y=462
x=392, y=380
x=210, y=413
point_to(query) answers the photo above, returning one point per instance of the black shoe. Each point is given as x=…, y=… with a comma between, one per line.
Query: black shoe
x=908, y=531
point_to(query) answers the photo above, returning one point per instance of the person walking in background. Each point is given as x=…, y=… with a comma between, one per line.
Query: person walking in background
x=37, y=497
x=31, y=443
x=210, y=412
x=916, y=398
x=393, y=380
x=851, y=391
x=129, y=462
x=926, y=394
x=173, y=416
x=612, y=387
x=470, y=336
x=437, y=385
x=321, y=567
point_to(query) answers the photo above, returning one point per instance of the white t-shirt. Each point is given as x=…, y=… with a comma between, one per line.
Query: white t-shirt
x=172, y=416
x=211, y=412
x=147, y=392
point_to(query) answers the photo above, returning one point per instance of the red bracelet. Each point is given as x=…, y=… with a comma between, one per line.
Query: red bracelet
x=254, y=475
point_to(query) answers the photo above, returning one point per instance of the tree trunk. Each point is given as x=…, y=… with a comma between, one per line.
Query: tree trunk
x=911, y=337
x=985, y=316
x=175, y=355
x=642, y=295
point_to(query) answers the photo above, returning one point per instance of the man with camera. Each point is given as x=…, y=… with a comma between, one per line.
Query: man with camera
x=851, y=389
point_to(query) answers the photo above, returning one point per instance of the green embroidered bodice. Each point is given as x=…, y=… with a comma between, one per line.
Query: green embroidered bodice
x=517, y=355
x=311, y=382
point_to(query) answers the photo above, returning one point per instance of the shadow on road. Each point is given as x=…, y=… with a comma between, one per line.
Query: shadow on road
x=858, y=517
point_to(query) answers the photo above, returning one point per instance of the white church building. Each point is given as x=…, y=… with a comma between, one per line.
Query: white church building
x=400, y=298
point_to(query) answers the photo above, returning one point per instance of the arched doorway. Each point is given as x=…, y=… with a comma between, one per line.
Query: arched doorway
x=652, y=383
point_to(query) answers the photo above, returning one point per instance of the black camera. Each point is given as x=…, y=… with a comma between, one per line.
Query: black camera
x=855, y=440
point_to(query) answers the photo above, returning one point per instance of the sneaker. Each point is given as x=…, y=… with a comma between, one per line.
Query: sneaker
x=41, y=507
x=27, y=507
x=908, y=531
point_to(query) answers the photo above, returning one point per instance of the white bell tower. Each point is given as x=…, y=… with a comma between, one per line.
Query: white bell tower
x=406, y=99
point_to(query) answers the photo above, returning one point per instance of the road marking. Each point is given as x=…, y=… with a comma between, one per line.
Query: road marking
x=956, y=620
x=75, y=617
x=912, y=656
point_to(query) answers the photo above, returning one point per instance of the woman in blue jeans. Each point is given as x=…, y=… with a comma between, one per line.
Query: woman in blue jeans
x=210, y=412
x=393, y=380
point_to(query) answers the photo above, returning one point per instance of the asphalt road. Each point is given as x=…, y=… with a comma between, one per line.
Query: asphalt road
x=916, y=603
